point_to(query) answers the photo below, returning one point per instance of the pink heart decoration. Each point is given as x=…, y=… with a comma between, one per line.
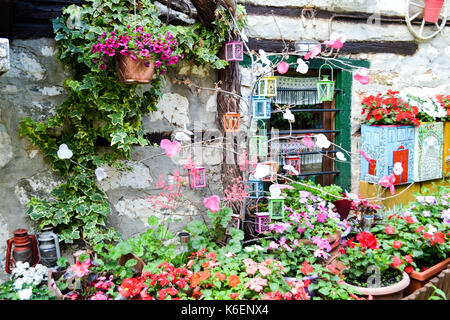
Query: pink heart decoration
x=171, y=147
x=212, y=203
x=362, y=75
x=388, y=182
x=282, y=67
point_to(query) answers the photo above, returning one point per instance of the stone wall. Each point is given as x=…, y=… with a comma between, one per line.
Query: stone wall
x=427, y=72
x=33, y=87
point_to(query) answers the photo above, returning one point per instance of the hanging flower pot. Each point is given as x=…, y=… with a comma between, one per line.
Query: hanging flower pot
x=134, y=71
x=432, y=10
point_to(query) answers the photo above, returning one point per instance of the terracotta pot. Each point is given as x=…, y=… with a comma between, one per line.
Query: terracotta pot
x=393, y=292
x=131, y=71
x=420, y=279
x=432, y=10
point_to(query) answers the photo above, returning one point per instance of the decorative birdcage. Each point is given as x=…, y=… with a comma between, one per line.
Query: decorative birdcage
x=261, y=108
x=255, y=189
x=232, y=120
x=276, y=208
x=292, y=157
x=197, y=177
x=267, y=87
x=272, y=176
x=234, y=51
x=325, y=86
x=235, y=222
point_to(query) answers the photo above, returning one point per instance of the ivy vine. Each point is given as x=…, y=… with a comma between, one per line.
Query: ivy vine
x=101, y=111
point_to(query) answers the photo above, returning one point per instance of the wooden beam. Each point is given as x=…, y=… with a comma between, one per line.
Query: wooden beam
x=350, y=47
x=351, y=17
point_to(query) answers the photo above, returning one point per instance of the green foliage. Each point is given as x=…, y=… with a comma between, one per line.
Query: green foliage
x=100, y=110
x=9, y=292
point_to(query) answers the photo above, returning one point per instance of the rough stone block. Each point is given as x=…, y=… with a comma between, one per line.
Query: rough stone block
x=4, y=55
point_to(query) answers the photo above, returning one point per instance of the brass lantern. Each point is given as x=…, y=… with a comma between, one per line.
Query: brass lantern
x=325, y=86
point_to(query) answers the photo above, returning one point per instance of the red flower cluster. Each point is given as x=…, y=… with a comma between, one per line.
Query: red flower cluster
x=445, y=102
x=389, y=109
x=161, y=284
x=367, y=240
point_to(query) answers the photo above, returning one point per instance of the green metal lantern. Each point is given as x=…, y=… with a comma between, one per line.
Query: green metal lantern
x=259, y=145
x=325, y=86
x=276, y=208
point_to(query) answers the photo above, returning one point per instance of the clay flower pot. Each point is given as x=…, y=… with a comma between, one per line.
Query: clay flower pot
x=432, y=10
x=134, y=71
x=420, y=279
x=393, y=292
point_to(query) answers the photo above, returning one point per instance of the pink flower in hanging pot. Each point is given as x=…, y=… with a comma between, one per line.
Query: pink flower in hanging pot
x=313, y=53
x=362, y=75
x=283, y=67
x=212, y=203
x=171, y=147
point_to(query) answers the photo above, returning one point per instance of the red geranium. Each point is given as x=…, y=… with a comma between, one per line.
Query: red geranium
x=389, y=229
x=397, y=244
x=439, y=237
x=367, y=239
x=396, y=262
x=306, y=268
x=408, y=258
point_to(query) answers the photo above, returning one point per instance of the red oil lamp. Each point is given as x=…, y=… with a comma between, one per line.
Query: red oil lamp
x=22, y=247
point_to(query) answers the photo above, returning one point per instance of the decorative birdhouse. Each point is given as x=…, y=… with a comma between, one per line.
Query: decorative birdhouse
x=235, y=222
x=385, y=148
x=428, y=147
x=276, y=208
x=272, y=176
x=262, y=221
x=325, y=86
x=261, y=108
x=255, y=189
x=267, y=87
x=232, y=120
x=197, y=177
x=234, y=51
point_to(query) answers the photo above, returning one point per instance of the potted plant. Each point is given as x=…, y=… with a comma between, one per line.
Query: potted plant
x=432, y=10
x=420, y=237
x=373, y=270
x=139, y=52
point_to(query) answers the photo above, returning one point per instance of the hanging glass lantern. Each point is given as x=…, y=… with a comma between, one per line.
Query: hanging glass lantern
x=49, y=247
x=267, y=86
x=234, y=51
x=258, y=146
x=22, y=247
x=235, y=222
x=325, y=86
x=232, y=120
x=261, y=108
x=262, y=221
x=276, y=208
x=197, y=177
x=272, y=176
x=256, y=189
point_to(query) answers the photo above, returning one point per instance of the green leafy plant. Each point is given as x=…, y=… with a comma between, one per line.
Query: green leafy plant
x=101, y=118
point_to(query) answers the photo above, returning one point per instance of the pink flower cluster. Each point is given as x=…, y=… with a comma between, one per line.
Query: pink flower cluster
x=138, y=44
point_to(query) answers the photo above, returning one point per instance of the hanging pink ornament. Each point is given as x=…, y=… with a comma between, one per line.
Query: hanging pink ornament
x=212, y=203
x=171, y=147
x=283, y=67
x=362, y=75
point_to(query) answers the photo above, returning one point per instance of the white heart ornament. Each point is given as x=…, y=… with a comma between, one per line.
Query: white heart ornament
x=64, y=152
